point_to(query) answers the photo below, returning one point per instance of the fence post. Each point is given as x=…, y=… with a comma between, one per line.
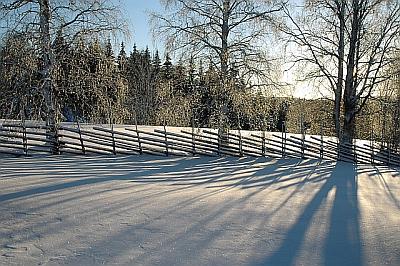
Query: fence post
x=113, y=139
x=372, y=145
x=24, y=139
x=193, y=139
x=138, y=137
x=283, y=138
x=57, y=148
x=263, y=143
x=80, y=138
x=321, y=149
x=219, y=141
x=240, y=144
x=140, y=144
x=166, y=141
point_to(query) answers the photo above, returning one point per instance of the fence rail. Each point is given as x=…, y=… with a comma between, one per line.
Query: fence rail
x=24, y=139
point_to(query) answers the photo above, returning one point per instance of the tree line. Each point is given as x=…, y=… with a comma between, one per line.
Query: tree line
x=95, y=84
x=57, y=63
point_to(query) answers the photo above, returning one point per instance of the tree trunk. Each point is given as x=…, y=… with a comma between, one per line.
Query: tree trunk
x=224, y=40
x=47, y=86
x=350, y=97
x=224, y=57
x=349, y=123
x=45, y=41
x=339, y=84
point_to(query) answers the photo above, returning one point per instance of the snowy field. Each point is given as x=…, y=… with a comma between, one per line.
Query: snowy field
x=148, y=210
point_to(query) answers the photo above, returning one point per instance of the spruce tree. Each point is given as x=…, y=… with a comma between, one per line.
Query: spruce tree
x=122, y=59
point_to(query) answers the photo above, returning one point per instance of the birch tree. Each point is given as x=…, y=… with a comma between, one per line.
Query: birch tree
x=229, y=33
x=18, y=72
x=346, y=46
x=43, y=20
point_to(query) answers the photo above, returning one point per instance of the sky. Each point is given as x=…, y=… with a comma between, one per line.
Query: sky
x=137, y=12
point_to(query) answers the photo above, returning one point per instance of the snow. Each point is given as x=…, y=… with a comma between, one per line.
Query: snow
x=149, y=210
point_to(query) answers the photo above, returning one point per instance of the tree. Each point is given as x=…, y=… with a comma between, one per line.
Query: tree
x=90, y=86
x=346, y=47
x=142, y=86
x=395, y=86
x=227, y=32
x=43, y=20
x=18, y=72
x=121, y=60
x=389, y=107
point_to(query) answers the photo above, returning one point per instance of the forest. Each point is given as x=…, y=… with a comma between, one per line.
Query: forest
x=58, y=63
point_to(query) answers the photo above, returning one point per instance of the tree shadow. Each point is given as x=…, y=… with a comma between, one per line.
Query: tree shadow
x=335, y=184
x=76, y=172
x=342, y=244
x=79, y=172
x=222, y=172
x=388, y=190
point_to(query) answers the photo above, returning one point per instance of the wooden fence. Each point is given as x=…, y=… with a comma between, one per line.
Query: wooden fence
x=24, y=139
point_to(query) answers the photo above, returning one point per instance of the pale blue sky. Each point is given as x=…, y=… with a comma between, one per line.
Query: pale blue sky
x=137, y=12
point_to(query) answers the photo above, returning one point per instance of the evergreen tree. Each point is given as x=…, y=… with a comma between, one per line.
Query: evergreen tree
x=167, y=67
x=122, y=59
x=109, y=50
x=156, y=69
x=141, y=92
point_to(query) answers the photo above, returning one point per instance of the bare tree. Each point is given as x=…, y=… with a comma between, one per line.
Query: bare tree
x=389, y=105
x=346, y=46
x=230, y=32
x=44, y=20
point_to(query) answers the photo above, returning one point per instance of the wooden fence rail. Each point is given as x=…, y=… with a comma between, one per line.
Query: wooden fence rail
x=23, y=139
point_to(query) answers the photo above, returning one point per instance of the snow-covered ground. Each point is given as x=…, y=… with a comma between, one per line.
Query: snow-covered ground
x=148, y=210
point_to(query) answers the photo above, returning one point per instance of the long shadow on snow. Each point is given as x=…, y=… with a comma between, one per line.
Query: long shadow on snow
x=175, y=171
x=182, y=240
x=109, y=174
x=255, y=173
x=342, y=244
x=131, y=171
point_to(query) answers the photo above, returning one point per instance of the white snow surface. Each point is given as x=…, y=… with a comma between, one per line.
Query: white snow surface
x=150, y=210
